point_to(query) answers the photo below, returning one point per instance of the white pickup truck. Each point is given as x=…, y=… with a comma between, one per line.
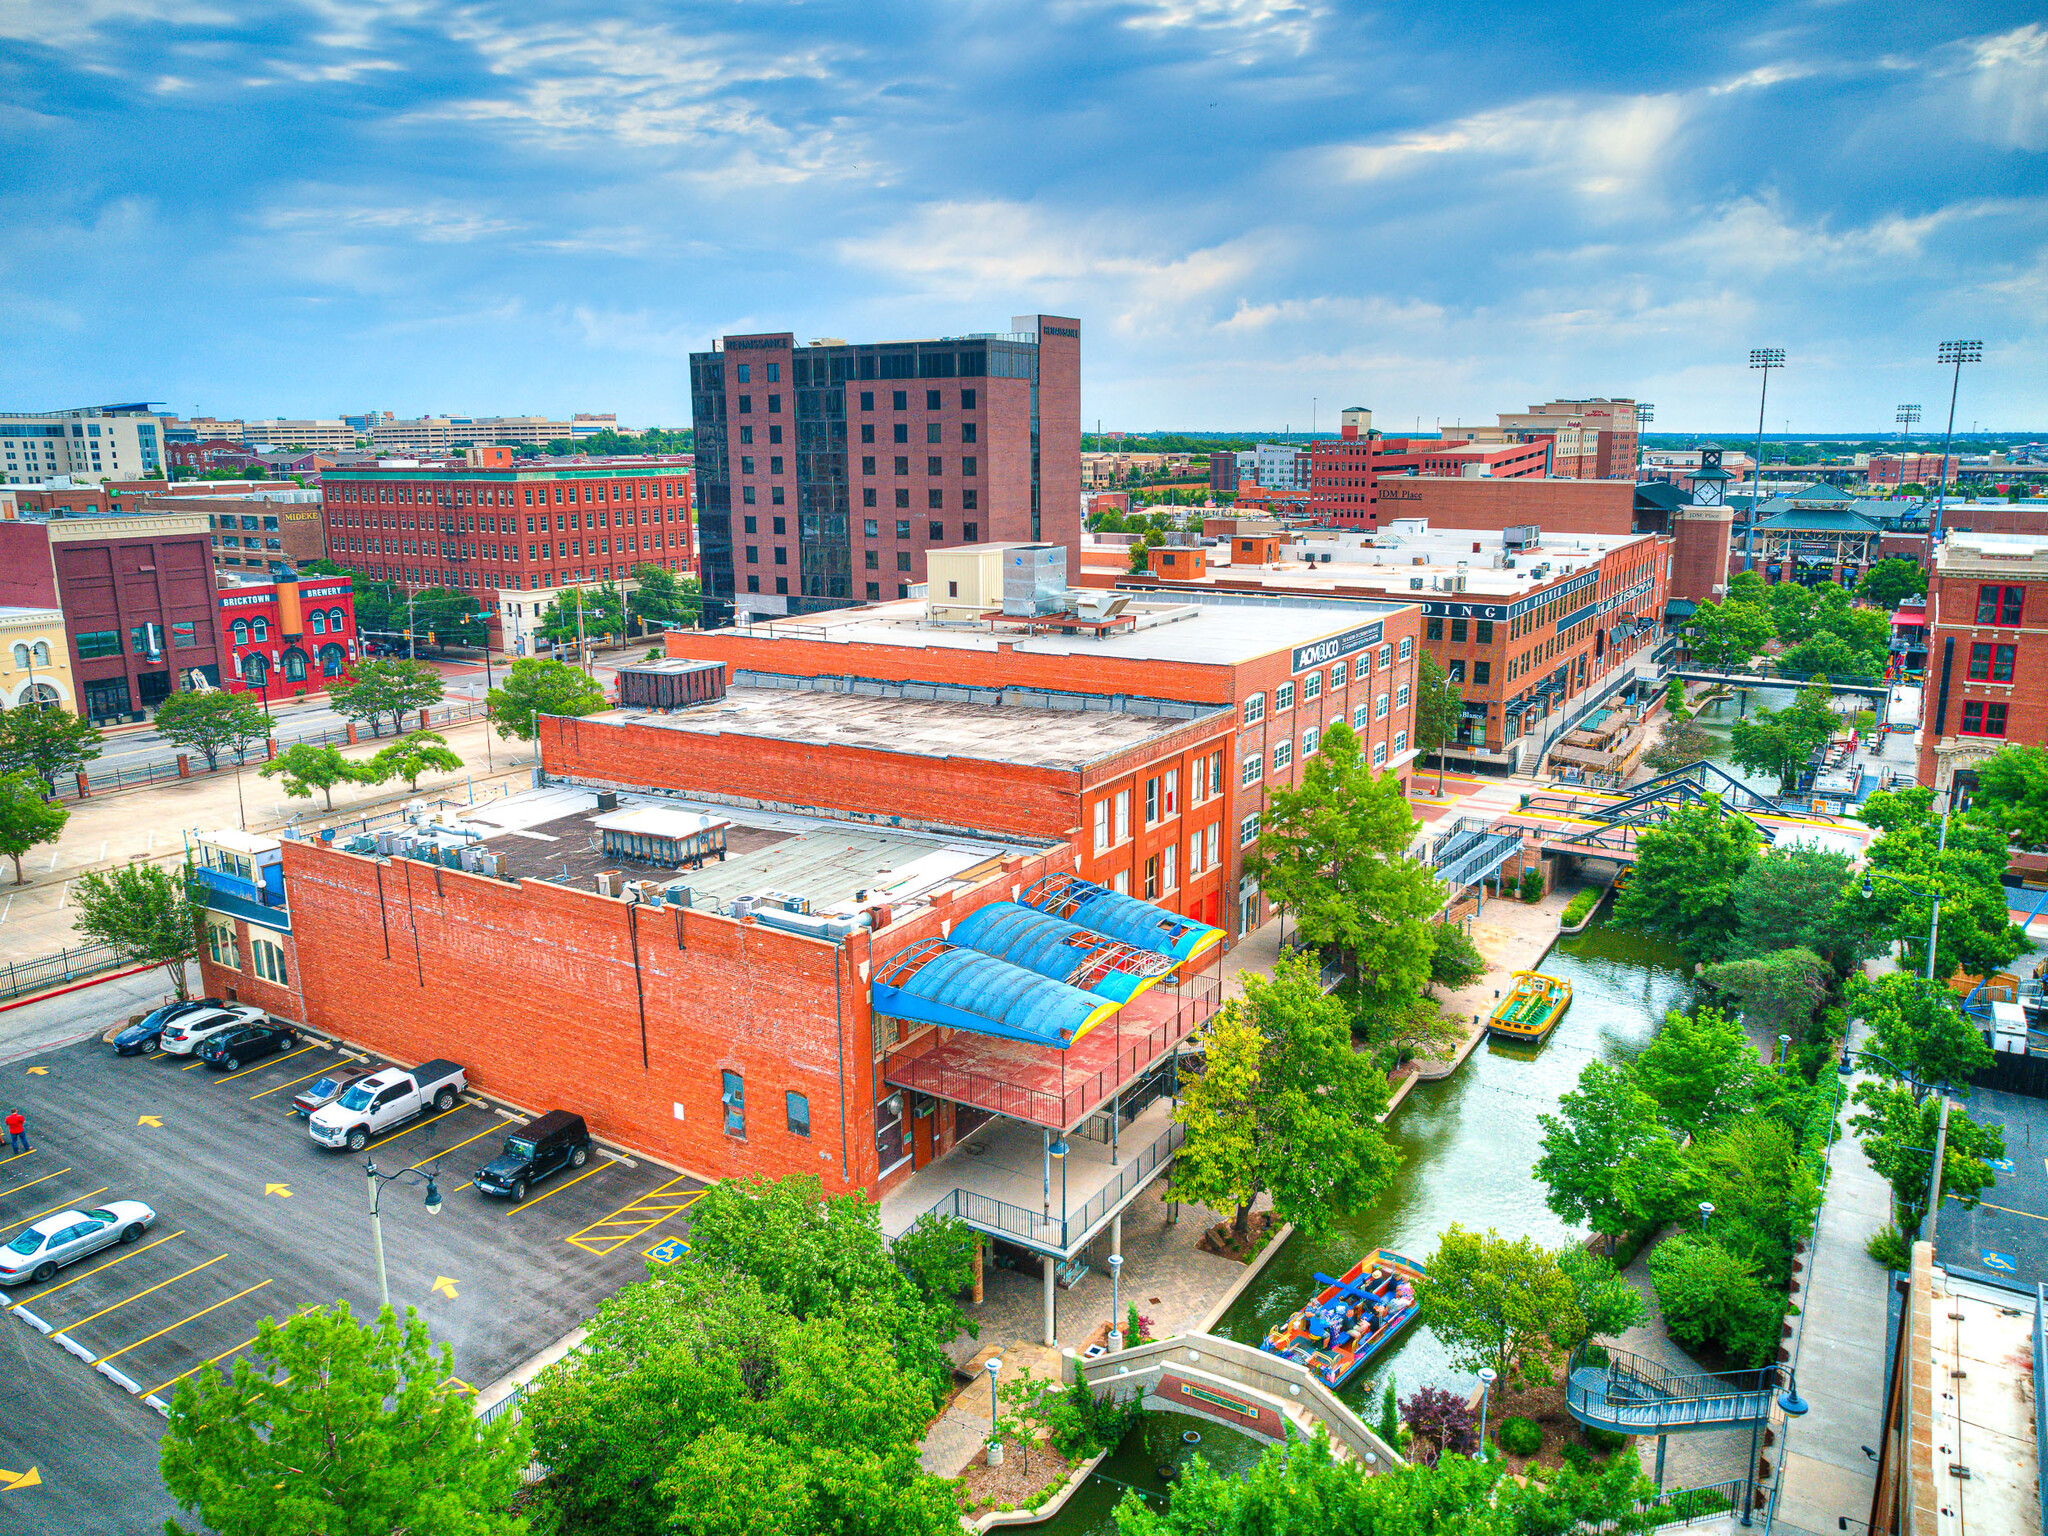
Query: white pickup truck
x=383, y=1100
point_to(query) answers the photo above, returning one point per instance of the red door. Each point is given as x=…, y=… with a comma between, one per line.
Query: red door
x=921, y=1133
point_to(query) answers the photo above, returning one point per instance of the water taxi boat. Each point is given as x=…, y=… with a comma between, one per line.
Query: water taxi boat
x=1351, y=1319
x=1531, y=1010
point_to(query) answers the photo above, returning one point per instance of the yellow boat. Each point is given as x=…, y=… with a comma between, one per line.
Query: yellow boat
x=1531, y=1010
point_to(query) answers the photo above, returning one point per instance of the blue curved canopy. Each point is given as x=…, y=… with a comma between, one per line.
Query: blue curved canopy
x=1137, y=923
x=1053, y=947
x=939, y=983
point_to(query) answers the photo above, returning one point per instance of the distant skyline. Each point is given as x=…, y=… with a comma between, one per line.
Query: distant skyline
x=306, y=207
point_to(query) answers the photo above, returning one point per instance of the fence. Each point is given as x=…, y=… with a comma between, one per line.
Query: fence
x=23, y=976
x=1061, y=1233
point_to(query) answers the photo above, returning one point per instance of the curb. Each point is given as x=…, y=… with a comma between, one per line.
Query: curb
x=133, y=1389
x=75, y=1348
x=1076, y=1476
x=37, y=997
x=1243, y=1281
x=31, y=1319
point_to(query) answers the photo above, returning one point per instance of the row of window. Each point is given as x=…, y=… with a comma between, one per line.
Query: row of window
x=1339, y=674
x=266, y=958
x=1162, y=800
x=565, y=522
x=98, y=644
x=1253, y=767
x=1162, y=869
x=443, y=576
x=899, y=399
x=319, y=621
x=502, y=496
x=732, y=1097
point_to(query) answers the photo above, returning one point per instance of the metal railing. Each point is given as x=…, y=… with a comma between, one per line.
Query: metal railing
x=1060, y=1234
x=1685, y=1505
x=1625, y=1392
x=24, y=976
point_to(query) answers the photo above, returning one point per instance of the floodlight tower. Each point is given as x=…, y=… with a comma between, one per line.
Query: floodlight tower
x=1908, y=414
x=1958, y=353
x=1645, y=414
x=1765, y=358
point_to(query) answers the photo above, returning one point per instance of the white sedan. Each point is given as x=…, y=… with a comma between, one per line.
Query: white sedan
x=185, y=1034
x=68, y=1236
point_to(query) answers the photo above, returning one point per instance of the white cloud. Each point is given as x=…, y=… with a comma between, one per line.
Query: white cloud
x=431, y=222
x=80, y=23
x=2008, y=87
x=1247, y=28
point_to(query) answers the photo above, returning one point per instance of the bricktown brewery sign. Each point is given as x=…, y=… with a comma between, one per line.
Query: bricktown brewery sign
x=1448, y=610
x=1306, y=656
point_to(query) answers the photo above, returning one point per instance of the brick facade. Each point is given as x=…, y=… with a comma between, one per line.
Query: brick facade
x=1555, y=506
x=1987, y=661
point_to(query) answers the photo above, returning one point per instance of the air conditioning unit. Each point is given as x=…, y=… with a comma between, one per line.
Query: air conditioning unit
x=1415, y=583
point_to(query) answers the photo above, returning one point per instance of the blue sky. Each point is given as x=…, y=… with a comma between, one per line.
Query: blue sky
x=1439, y=211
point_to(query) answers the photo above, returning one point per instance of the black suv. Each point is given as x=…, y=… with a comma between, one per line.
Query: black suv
x=226, y=1051
x=556, y=1139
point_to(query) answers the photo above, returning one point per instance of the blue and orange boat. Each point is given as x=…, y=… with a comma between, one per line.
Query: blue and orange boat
x=1351, y=1319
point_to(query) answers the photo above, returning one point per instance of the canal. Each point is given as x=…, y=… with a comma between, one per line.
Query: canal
x=1467, y=1144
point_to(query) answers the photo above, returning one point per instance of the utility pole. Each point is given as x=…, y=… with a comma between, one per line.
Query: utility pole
x=1765, y=358
x=1958, y=353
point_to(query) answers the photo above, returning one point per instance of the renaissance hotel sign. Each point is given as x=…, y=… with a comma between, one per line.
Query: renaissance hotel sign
x=1321, y=651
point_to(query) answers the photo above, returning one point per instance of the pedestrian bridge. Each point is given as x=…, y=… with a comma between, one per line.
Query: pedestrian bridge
x=1876, y=687
x=1613, y=1390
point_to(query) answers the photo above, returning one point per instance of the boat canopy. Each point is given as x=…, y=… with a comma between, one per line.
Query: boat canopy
x=1137, y=923
x=934, y=982
x=1053, y=947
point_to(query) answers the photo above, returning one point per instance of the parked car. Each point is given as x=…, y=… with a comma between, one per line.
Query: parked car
x=324, y=1092
x=184, y=1035
x=142, y=1037
x=230, y=1047
x=386, y=1099
x=43, y=1249
x=557, y=1139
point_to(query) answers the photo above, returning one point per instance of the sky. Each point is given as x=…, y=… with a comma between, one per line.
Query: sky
x=1261, y=211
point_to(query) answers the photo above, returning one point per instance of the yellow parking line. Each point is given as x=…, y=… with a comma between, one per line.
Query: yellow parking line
x=271, y=1063
x=459, y=1107
x=196, y=1061
x=602, y=1164
x=479, y=1136
x=32, y=1182
x=39, y=1295
x=202, y=1365
x=329, y=1067
x=627, y=1223
x=31, y=1152
x=65, y=1205
x=181, y=1322
x=2010, y=1211
x=103, y=1311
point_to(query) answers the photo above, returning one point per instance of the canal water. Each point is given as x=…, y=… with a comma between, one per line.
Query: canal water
x=1717, y=720
x=1467, y=1144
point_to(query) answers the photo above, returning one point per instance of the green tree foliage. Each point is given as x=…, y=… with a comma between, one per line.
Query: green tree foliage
x=1898, y=1132
x=442, y=616
x=1748, y=587
x=669, y=597
x=653, y=440
x=1711, y=1297
x=603, y=612
x=144, y=912
x=387, y=690
x=335, y=1427
x=1726, y=635
x=1608, y=1305
x=1829, y=654
x=1701, y=1070
x=1919, y=1025
x=1686, y=872
x=1779, y=741
x=1454, y=960
x=1674, y=700
x=1439, y=706
x=1141, y=551
x=2011, y=797
x=1777, y=992
x=303, y=768
x=1284, y=1106
x=1795, y=610
x=818, y=1257
x=535, y=686
x=1907, y=866
x=27, y=819
x=1607, y=1159
x=46, y=743
x=409, y=758
x=701, y=1403
x=1763, y=1192
x=1682, y=742
x=1334, y=852
x=212, y=723
x=1790, y=898
x=1502, y=1302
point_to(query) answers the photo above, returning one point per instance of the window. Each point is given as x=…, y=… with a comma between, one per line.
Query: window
x=1379, y=754
x=1458, y=632
x=1171, y=802
x=935, y=465
x=1121, y=884
x=902, y=559
x=867, y=435
x=931, y=433
x=1309, y=738
x=1152, y=877
x=1194, y=853
x=1283, y=754
x=1359, y=716
x=220, y=944
x=267, y=960
x=2000, y=605
x=1171, y=854
x=899, y=400
x=1283, y=697
x=1983, y=719
x=1252, y=769
x=184, y=636
x=1123, y=814
x=902, y=502
x=1101, y=825
x=1435, y=630
x=1337, y=674
x=1214, y=839
x=1312, y=686
x=99, y=642
x=867, y=399
x=799, y=1107
x=871, y=560
x=742, y=374
x=1151, y=802
x=874, y=587
x=733, y=1095
x=1379, y=707
x=1400, y=741
x=1407, y=650
x=1248, y=831
x=870, y=528
x=1255, y=709
x=1483, y=631
x=1482, y=671
x=1992, y=663
x=1401, y=697
x=240, y=630
x=1198, y=786
x=901, y=433
x=867, y=499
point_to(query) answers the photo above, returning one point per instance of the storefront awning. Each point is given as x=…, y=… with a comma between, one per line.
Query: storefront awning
x=1137, y=923
x=933, y=982
x=1053, y=947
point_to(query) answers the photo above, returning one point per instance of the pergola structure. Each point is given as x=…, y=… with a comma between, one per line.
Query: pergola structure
x=1808, y=545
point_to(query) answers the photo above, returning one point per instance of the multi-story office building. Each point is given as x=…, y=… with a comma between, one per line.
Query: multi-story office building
x=489, y=522
x=1987, y=662
x=201, y=429
x=1277, y=466
x=828, y=470
x=284, y=433
x=447, y=434
x=1347, y=473
x=1596, y=439
x=89, y=443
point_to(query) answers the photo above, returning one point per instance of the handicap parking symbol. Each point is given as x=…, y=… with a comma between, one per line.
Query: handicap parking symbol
x=2000, y=1263
x=668, y=1250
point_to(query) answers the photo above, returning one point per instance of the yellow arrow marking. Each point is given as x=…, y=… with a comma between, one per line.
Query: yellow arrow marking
x=38, y=1072
x=29, y=1479
x=149, y=1120
x=277, y=1189
x=445, y=1286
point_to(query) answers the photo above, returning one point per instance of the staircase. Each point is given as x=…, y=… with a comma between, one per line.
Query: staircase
x=1611, y=1389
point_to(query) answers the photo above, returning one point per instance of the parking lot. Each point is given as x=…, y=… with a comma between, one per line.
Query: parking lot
x=254, y=1220
x=2006, y=1236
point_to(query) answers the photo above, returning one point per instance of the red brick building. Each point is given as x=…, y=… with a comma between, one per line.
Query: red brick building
x=490, y=523
x=1592, y=439
x=1348, y=473
x=1555, y=506
x=1987, y=661
x=214, y=453
x=287, y=634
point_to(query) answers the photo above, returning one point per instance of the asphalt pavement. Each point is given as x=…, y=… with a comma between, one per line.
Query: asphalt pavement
x=2006, y=1236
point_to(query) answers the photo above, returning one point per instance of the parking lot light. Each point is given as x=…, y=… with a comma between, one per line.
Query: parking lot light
x=376, y=1182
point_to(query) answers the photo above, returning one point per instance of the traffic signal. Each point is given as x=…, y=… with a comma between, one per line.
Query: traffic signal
x=430, y=637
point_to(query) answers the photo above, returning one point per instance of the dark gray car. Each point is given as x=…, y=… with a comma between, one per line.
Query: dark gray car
x=326, y=1090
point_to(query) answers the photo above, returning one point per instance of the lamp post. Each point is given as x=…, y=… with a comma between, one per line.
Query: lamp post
x=1706, y=1214
x=995, y=1440
x=1116, y=1301
x=1764, y=358
x=377, y=1181
x=1784, y=1045
x=1487, y=1377
x=1957, y=353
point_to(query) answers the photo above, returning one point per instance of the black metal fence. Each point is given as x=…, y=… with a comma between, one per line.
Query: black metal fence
x=20, y=977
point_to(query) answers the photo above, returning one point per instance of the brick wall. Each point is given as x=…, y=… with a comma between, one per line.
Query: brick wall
x=1554, y=505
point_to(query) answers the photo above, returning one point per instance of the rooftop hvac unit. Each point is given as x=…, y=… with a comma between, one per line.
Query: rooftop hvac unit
x=1415, y=583
x=607, y=800
x=678, y=895
x=416, y=811
x=386, y=842
x=742, y=906
x=1034, y=579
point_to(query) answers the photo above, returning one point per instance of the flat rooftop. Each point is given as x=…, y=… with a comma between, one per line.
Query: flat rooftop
x=552, y=835
x=1186, y=632
x=1007, y=733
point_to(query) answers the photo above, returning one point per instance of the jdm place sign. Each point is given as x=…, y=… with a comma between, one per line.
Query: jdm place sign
x=1318, y=652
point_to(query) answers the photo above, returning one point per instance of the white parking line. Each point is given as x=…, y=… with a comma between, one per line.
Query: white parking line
x=6, y=909
x=64, y=896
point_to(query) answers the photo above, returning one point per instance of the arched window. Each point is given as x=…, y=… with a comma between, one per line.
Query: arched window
x=295, y=665
x=241, y=632
x=42, y=653
x=337, y=621
x=45, y=697
x=332, y=660
x=20, y=654
x=255, y=669
x=319, y=622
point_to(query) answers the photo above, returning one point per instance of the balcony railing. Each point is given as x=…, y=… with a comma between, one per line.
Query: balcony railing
x=1062, y=1233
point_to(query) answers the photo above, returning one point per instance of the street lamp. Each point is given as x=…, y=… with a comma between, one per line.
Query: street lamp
x=995, y=1440
x=1784, y=1044
x=1487, y=1377
x=1764, y=358
x=377, y=1181
x=1958, y=353
x=1116, y=1300
x=1706, y=1212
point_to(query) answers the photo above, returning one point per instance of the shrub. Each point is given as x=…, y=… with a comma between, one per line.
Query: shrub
x=1577, y=910
x=1606, y=1441
x=1888, y=1247
x=1437, y=1421
x=1520, y=1436
x=1577, y=1457
x=1532, y=885
x=1711, y=1296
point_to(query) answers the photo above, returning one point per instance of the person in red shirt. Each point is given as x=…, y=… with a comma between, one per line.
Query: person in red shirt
x=17, y=1132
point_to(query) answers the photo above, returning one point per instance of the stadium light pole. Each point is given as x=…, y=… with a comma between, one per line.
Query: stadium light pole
x=1765, y=358
x=1958, y=353
x=1908, y=414
x=1645, y=414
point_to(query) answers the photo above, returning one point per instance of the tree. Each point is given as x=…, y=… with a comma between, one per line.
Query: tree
x=1686, y=870
x=1789, y=897
x=1439, y=1424
x=395, y=689
x=408, y=758
x=1682, y=743
x=603, y=613
x=1794, y=609
x=1829, y=654
x=1763, y=1192
x=1608, y=1304
x=27, y=820
x=337, y=1427
x=1674, y=699
x=45, y=743
x=1141, y=551
x=1919, y=1025
x=442, y=616
x=1898, y=1131
x=144, y=912
x=536, y=687
x=1726, y=635
x=1505, y=1303
x=665, y=596
x=1334, y=852
x=1606, y=1155
x=305, y=768
x=211, y=723
x=1454, y=960
x=1439, y=707
x=1777, y=992
x=1701, y=1070
x=1908, y=866
x=1780, y=741
x=1890, y=582
x=2011, y=796
x=1284, y=1106
x=1710, y=1296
